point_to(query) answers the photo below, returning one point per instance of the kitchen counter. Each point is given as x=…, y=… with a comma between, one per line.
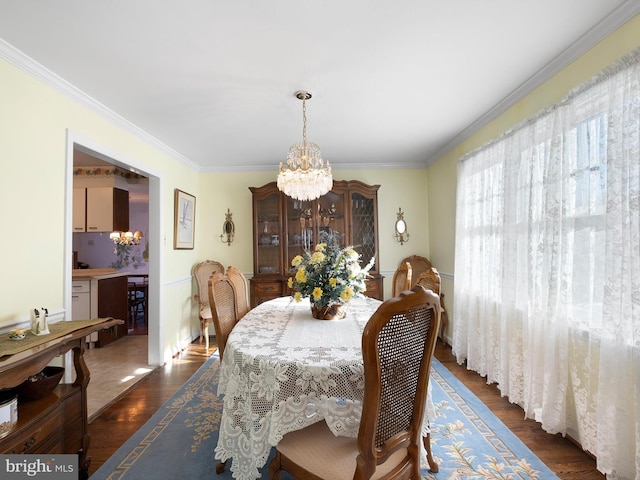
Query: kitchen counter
x=101, y=293
x=96, y=273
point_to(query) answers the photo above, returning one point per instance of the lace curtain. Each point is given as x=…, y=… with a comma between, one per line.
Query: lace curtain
x=547, y=291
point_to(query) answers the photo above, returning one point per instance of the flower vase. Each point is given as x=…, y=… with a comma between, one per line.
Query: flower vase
x=329, y=312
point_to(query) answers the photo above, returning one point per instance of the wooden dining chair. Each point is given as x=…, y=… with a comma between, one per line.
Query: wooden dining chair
x=241, y=286
x=430, y=280
x=222, y=298
x=397, y=347
x=401, y=279
x=202, y=272
x=419, y=265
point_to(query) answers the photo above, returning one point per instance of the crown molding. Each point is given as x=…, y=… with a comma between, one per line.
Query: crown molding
x=609, y=24
x=25, y=63
x=334, y=166
x=605, y=27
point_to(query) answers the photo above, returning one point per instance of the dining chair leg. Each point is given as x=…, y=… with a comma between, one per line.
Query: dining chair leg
x=205, y=332
x=444, y=319
x=275, y=467
x=433, y=466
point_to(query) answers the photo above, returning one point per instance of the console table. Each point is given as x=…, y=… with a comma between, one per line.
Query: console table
x=58, y=422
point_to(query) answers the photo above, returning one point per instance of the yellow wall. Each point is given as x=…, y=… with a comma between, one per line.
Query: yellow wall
x=441, y=184
x=405, y=188
x=34, y=120
x=34, y=123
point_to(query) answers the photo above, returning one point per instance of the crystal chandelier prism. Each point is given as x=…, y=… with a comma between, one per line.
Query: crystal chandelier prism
x=305, y=177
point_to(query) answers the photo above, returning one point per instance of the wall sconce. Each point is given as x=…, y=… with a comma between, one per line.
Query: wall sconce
x=228, y=228
x=401, y=228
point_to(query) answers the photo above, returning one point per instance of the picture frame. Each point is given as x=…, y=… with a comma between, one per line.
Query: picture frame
x=184, y=221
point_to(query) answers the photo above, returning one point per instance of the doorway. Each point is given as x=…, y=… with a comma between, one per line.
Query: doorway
x=88, y=147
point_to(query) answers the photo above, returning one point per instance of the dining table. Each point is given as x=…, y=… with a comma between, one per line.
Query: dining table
x=283, y=370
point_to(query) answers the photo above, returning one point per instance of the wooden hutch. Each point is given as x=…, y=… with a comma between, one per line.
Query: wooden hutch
x=284, y=227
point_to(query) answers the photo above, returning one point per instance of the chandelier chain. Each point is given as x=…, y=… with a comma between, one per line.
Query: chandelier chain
x=304, y=121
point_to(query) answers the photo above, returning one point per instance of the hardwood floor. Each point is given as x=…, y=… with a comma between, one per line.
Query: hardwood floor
x=122, y=419
x=565, y=458
x=116, y=424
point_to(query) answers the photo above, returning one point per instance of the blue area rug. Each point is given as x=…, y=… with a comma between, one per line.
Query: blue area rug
x=468, y=441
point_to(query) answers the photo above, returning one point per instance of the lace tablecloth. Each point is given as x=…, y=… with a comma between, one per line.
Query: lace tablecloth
x=282, y=371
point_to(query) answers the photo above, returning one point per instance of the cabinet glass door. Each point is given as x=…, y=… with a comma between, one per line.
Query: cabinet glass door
x=268, y=225
x=331, y=218
x=363, y=227
x=300, y=228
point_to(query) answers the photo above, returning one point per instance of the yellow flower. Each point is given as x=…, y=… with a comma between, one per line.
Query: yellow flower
x=290, y=282
x=320, y=247
x=317, y=257
x=347, y=294
x=333, y=282
x=297, y=296
x=317, y=293
x=301, y=276
x=297, y=260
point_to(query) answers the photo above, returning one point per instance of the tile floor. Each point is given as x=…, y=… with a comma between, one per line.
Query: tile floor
x=114, y=370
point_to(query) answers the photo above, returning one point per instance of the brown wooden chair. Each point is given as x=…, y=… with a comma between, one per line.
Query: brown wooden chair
x=401, y=279
x=397, y=347
x=419, y=265
x=203, y=272
x=431, y=281
x=241, y=285
x=137, y=289
x=222, y=298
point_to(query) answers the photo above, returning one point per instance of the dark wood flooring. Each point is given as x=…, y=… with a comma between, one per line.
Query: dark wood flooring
x=116, y=424
x=565, y=458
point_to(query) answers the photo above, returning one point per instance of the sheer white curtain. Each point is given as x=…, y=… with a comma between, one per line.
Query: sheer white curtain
x=547, y=290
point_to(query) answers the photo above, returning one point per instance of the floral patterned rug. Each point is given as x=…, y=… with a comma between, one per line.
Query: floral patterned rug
x=468, y=441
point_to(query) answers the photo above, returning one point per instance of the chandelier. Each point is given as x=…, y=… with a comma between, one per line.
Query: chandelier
x=304, y=177
x=125, y=238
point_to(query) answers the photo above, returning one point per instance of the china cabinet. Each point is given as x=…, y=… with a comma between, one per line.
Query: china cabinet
x=284, y=227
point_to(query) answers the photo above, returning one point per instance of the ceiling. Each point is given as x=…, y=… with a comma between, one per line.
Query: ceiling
x=394, y=84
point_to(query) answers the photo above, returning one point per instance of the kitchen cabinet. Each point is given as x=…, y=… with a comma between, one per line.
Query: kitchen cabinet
x=79, y=209
x=100, y=293
x=284, y=227
x=57, y=423
x=81, y=300
x=100, y=209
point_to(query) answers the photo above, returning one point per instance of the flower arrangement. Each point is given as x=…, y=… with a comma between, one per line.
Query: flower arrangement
x=329, y=275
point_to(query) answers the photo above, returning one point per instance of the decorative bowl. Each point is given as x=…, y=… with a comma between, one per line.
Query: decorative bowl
x=39, y=385
x=17, y=333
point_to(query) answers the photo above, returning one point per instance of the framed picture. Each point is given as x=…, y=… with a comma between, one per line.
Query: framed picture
x=184, y=221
